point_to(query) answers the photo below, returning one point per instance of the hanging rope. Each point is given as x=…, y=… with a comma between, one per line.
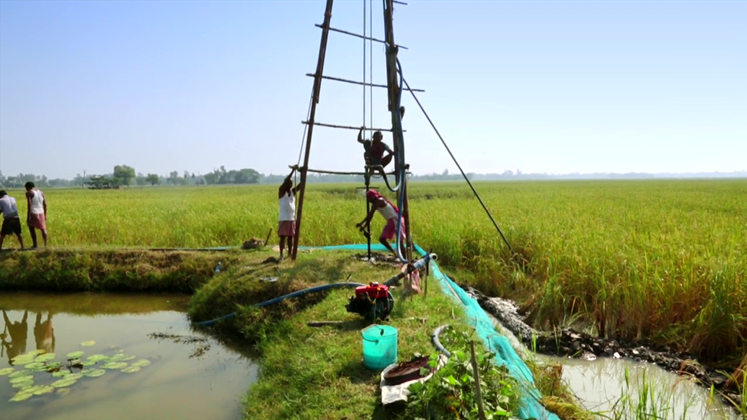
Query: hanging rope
x=458, y=166
x=364, y=64
x=370, y=56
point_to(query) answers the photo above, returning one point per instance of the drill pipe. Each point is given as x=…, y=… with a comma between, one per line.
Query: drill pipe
x=411, y=267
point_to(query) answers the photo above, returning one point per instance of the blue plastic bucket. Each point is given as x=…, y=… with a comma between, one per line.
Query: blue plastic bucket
x=379, y=346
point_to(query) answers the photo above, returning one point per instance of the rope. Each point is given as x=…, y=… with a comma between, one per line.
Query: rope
x=364, y=63
x=305, y=127
x=370, y=55
x=459, y=166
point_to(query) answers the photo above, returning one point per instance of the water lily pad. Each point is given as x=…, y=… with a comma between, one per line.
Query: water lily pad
x=131, y=369
x=25, y=378
x=62, y=383
x=63, y=391
x=36, y=352
x=41, y=390
x=74, y=376
x=41, y=368
x=115, y=365
x=24, y=359
x=117, y=357
x=127, y=358
x=18, y=373
x=97, y=358
x=34, y=365
x=95, y=373
x=21, y=396
x=75, y=355
x=23, y=384
x=141, y=363
x=54, y=365
x=6, y=371
x=88, y=343
x=45, y=357
x=61, y=373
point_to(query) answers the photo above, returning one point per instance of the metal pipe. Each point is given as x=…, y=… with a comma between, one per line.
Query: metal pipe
x=412, y=267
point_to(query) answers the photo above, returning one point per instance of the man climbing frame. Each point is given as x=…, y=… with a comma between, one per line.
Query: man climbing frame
x=287, y=212
x=375, y=149
x=391, y=213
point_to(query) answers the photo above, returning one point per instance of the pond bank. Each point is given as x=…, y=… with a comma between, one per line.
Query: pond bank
x=306, y=372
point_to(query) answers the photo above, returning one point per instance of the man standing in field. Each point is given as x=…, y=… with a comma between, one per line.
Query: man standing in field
x=11, y=221
x=36, y=216
x=287, y=212
x=391, y=213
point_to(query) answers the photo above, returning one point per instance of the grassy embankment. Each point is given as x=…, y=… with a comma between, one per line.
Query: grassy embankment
x=307, y=372
x=660, y=260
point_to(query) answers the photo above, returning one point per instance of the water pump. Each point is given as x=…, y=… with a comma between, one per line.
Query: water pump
x=374, y=301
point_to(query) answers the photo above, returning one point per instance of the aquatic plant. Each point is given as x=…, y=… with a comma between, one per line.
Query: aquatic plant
x=64, y=374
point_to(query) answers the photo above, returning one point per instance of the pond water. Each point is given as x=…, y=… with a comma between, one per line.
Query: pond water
x=601, y=386
x=176, y=373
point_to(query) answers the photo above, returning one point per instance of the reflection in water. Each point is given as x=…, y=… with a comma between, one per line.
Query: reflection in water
x=18, y=332
x=44, y=333
x=176, y=384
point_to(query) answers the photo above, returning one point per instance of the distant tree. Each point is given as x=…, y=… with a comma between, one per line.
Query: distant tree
x=246, y=176
x=123, y=174
x=152, y=179
x=174, y=177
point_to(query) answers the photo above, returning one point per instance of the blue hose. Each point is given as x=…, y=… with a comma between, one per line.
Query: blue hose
x=281, y=298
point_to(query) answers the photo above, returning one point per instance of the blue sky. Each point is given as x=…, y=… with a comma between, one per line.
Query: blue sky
x=540, y=86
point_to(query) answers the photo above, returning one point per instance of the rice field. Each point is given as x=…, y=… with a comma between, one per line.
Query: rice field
x=662, y=260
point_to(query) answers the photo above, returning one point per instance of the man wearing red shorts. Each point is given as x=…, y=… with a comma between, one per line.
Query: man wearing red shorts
x=36, y=216
x=389, y=212
x=287, y=213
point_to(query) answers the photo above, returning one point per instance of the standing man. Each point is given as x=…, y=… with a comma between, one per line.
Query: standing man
x=287, y=212
x=11, y=221
x=389, y=212
x=36, y=216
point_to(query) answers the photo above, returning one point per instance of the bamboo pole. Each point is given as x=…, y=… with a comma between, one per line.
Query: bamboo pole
x=478, y=390
x=312, y=115
x=346, y=127
x=359, y=36
x=354, y=82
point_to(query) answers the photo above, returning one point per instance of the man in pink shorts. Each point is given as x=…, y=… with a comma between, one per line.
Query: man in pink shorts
x=36, y=216
x=389, y=212
x=287, y=214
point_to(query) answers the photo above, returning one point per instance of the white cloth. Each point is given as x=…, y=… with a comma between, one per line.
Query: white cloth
x=287, y=208
x=387, y=211
x=37, y=202
x=8, y=207
x=399, y=392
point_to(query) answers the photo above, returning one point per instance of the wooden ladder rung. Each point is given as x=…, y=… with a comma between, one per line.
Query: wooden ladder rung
x=357, y=35
x=348, y=127
x=338, y=79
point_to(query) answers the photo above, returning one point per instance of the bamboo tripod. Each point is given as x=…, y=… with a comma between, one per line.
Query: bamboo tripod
x=392, y=94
